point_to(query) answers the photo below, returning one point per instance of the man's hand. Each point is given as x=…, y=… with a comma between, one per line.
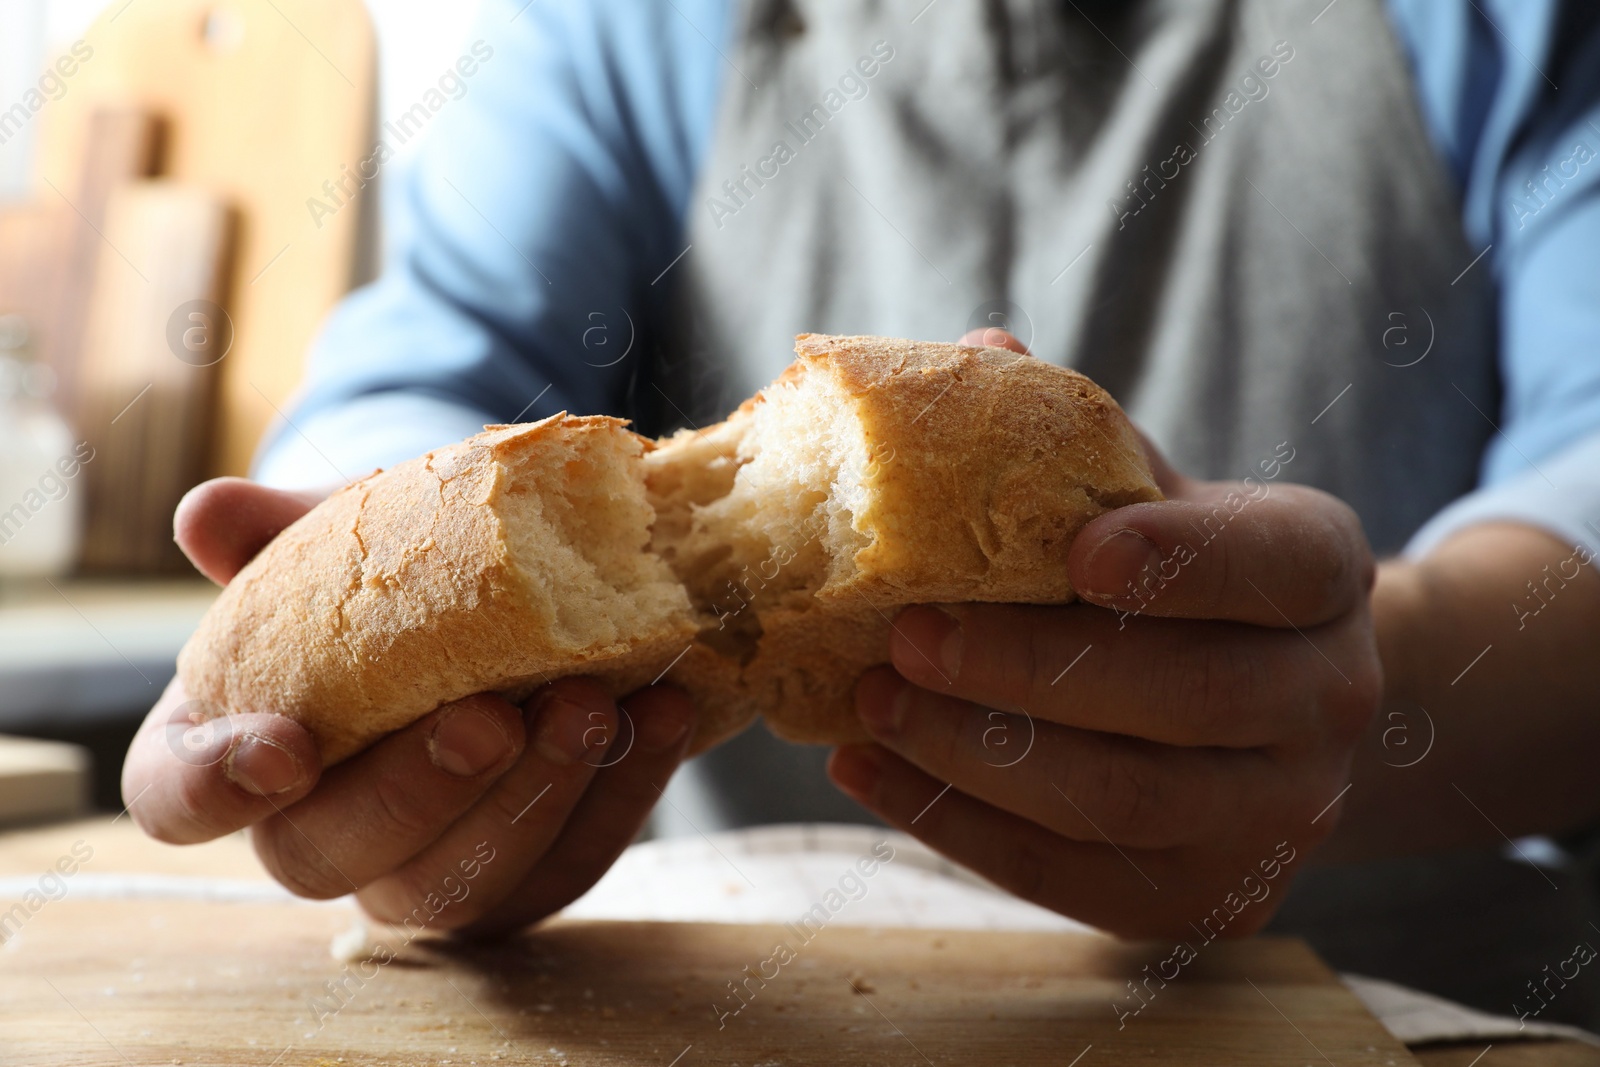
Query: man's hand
x=1153, y=766
x=532, y=787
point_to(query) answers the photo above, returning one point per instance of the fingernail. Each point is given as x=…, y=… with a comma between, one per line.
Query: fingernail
x=262, y=767
x=466, y=742
x=568, y=731
x=856, y=769
x=935, y=638
x=1118, y=561
x=882, y=697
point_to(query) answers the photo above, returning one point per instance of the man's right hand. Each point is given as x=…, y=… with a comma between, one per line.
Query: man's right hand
x=556, y=789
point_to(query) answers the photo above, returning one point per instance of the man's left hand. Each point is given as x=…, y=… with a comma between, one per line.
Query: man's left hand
x=1168, y=762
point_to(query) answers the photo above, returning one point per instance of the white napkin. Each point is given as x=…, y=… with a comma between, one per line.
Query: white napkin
x=1418, y=1018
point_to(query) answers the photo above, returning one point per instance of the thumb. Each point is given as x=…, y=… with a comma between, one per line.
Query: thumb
x=223, y=523
x=993, y=337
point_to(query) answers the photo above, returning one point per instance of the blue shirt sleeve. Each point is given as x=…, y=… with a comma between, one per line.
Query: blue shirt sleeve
x=536, y=215
x=1510, y=90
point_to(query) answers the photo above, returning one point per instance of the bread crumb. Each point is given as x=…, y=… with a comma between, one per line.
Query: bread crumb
x=353, y=944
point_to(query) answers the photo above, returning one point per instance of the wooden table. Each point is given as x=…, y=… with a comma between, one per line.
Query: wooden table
x=96, y=981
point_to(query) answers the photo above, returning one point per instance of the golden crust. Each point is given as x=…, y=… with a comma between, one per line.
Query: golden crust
x=399, y=592
x=986, y=464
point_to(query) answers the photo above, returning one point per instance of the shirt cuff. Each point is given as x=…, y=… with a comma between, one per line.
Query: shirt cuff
x=1560, y=496
x=350, y=441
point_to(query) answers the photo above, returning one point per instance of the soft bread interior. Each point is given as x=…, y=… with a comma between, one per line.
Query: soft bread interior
x=576, y=522
x=760, y=511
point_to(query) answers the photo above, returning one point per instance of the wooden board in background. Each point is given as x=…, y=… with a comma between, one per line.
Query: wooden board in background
x=28, y=240
x=42, y=780
x=146, y=401
x=262, y=101
x=49, y=248
x=107, y=982
x=120, y=147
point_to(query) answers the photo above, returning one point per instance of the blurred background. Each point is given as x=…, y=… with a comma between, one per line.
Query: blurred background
x=185, y=189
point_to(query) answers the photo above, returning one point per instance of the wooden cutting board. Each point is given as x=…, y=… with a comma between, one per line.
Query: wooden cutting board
x=119, y=147
x=261, y=103
x=41, y=780
x=151, y=353
x=49, y=248
x=102, y=982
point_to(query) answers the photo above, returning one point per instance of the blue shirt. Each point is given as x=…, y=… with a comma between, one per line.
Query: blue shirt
x=558, y=185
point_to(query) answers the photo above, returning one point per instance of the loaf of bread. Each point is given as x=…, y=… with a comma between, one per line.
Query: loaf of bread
x=756, y=563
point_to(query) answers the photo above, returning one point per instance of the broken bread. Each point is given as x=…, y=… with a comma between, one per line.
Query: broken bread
x=756, y=563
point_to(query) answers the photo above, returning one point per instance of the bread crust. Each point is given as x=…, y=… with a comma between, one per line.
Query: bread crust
x=399, y=592
x=986, y=464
